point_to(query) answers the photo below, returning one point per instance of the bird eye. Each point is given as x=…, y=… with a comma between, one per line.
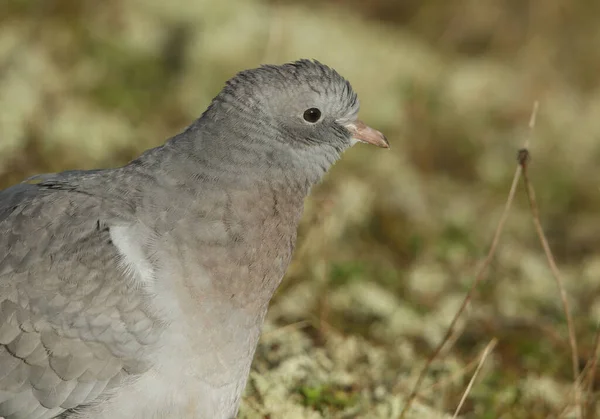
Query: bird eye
x=312, y=115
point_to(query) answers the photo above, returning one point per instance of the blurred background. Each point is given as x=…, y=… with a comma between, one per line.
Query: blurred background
x=391, y=241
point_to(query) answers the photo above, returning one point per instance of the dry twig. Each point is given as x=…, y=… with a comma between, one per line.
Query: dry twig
x=586, y=380
x=524, y=160
x=490, y=346
x=471, y=365
x=478, y=278
x=590, y=377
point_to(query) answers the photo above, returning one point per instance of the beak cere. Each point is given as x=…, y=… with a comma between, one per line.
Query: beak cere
x=365, y=134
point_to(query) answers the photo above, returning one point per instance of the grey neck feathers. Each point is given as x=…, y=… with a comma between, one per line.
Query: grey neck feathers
x=239, y=150
x=259, y=182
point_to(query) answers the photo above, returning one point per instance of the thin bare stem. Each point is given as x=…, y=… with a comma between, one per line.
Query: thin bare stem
x=471, y=365
x=586, y=379
x=559, y=282
x=583, y=375
x=450, y=378
x=478, y=278
x=591, y=375
x=490, y=346
x=532, y=121
x=481, y=272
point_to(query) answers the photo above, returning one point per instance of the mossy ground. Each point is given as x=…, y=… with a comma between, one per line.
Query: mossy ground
x=391, y=241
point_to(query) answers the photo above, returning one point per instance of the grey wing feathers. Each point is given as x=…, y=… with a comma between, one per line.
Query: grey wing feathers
x=12, y=197
x=71, y=325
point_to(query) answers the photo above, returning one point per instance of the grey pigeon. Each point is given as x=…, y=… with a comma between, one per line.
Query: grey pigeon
x=139, y=292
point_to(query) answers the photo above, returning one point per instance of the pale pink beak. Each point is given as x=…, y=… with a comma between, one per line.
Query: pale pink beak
x=364, y=133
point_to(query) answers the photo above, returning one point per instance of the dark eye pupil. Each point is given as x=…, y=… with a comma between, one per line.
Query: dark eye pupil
x=312, y=115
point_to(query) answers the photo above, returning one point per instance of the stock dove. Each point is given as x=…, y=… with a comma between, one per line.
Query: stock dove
x=139, y=292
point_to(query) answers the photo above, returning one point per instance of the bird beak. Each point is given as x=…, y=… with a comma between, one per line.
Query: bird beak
x=365, y=134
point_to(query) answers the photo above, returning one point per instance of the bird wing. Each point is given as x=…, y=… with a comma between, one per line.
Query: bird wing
x=72, y=325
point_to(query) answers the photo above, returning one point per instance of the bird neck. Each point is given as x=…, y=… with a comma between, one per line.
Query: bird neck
x=220, y=151
x=240, y=199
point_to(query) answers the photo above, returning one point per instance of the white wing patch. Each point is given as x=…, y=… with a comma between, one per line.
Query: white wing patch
x=129, y=242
